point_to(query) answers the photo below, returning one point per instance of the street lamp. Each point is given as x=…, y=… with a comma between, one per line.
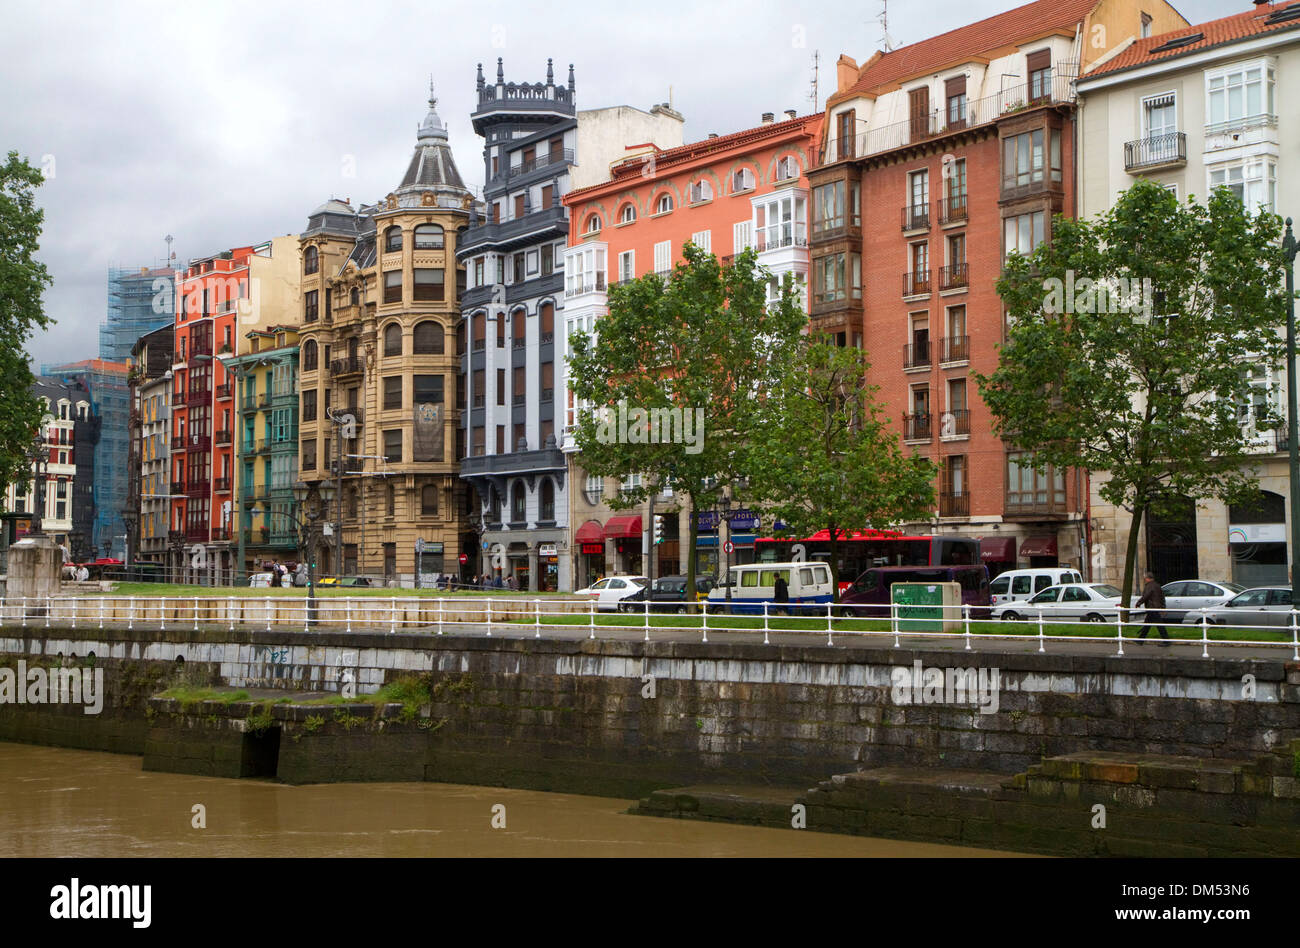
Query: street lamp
x=1293, y=448
x=39, y=455
x=309, y=529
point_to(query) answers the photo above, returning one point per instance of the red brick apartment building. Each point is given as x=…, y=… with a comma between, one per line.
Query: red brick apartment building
x=938, y=159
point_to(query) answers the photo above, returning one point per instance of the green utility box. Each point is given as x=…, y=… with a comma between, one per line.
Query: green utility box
x=926, y=607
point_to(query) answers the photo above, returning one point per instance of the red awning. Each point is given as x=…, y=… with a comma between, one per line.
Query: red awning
x=824, y=536
x=590, y=532
x=1038, y=546
x=619, y=527
x=998, y=549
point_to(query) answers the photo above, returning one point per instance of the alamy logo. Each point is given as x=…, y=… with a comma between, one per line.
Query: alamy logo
x=103, y=901
x=53, y=686
x=1111, y=295
x=956, y=686
x=652, y=426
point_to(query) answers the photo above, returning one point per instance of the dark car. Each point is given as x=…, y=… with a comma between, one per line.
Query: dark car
x=869, y=595
x=666, y=594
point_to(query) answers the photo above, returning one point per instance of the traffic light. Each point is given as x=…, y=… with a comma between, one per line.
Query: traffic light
x=659, y=529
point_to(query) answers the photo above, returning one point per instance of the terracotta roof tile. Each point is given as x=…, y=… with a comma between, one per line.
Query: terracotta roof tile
x=966, y=42
x=1230, y=29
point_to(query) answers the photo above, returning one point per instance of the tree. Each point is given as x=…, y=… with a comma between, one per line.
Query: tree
x=1127, y=345
x=823, y=457
x=22, y=281
x=672, y=377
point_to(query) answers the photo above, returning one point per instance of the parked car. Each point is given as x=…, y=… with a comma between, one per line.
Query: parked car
x=343, y=581
x=1021, y=584
x=869, y=594
x=612, y=590
x=755, y=583
x=263, y=579
x=666, y=594
x=1191, y=595
x=1083, y=602
x=1263, y=605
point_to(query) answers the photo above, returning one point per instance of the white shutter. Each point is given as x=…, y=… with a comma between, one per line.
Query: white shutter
x=663, y=255
x=704, y=240
x=742, y=235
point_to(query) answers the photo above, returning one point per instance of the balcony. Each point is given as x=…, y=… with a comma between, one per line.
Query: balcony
x=916, y=283
x=178, y=487
x=520, y=398
x=222, y=485
x=197, y=488
x=954, y=505
x=352, y=365
x=544, y=160
x=580, y=285
x=955, y=424
x=1157, y=152
x=956, y=349
x=248, y=403
x=220, y=533
x=198, y=396
x=178, y=442
x=200, y=347
x=917, y=427
x=196, y=533
x=953, y=210
x=264, y=400
x=917, y=355
x=226, y=389
x=956, y=276
x=1038, y=505
x=780, y=241
x=504, y=233
x=224, y=436
x=916, y=217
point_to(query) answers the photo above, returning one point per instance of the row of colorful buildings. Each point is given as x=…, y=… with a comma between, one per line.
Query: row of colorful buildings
x=411, y=353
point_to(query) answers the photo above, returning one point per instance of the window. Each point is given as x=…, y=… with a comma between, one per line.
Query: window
x=663, y=256
x=628, y=214
x=594, y=489
x=428, y=339
x=393, y=446
x=309, y=454
x=954, y=475
x=393, y=392
x=837, y=276
x=429, y=500
x=1239, y=97
x=310, y=261
x=429, y=284
x=1039, y=64
x=742, y=236
x=787, y=169
x=593, y=224
x=393, y=286
x=354, y=297
x=1145, y=30
x=1254, y=183
x=548, y=259
x=393, y=339
x=309, y=404
x=518, y=503
x=1028, y=489
x=955, y=96
x=626, y=266
x=703, y=239
x=310, y=311
x=828, y=207
x=501, y=386
x=1024, y=232
x=393, y=239
x=429, y=237
x=781, y=222
x=1159, y=115
x=742, y=179
x=918, y=209
x=845, y=125
x=701, y=190
x=547, y=500
x=310, y=353
x=1024, y=160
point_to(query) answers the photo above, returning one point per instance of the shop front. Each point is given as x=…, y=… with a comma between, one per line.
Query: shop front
x=589, y=541
x=548, y=567
x=998, y=554
x=625, y=531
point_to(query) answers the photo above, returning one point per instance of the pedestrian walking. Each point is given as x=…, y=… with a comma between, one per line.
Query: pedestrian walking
x=781, y=596
x=1153, y=597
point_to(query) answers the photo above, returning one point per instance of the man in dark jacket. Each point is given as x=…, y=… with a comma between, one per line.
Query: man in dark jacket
x=1153, y=597
x=781, y=595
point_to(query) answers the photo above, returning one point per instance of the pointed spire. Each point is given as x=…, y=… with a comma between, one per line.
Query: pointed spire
x=570, y=77
x=550, y=73
x=432, y=126
x=433, y=99
x=480, y=77
x=501, y=71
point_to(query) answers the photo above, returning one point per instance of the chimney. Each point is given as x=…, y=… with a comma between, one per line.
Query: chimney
x=767, y=118
x=791, y=113
x=846, y=72
x=713, y=134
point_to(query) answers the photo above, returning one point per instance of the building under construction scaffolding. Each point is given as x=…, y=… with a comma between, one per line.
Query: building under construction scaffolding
x=139, y=301
x=106, y=382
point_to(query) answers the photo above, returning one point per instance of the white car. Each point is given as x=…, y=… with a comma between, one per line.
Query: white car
x=1192, y=595
x=1082, y=602
x=612, y=590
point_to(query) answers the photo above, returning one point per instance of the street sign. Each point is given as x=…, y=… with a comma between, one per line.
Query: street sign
x=464, y=558
x=728, y=548
x=419, y=545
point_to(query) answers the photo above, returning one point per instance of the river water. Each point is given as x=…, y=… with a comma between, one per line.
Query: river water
x=56, y=802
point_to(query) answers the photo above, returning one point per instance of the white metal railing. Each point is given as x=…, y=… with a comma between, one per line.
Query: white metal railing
x=522, y=615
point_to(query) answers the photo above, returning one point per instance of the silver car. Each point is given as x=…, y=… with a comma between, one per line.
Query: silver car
x=1263, y=605
x=1192, y=595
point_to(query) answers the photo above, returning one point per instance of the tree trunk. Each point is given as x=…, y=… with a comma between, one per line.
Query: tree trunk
x=1130, y=555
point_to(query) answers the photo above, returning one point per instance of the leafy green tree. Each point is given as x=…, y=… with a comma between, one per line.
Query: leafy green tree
x=824, y=458
x=701, y=343
x=1128, y=341
x=22, y=281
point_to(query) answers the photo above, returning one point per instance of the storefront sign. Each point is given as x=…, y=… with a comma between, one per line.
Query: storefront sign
x=593, y=548
x=546, y=549
x=1257, y=533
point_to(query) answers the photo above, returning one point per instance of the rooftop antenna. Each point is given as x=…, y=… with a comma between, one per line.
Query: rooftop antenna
x=170, y=256
x=812, y=95
x=887, y=40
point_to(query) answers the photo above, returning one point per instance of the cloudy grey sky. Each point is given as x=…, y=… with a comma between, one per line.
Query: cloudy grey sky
x=225, y=123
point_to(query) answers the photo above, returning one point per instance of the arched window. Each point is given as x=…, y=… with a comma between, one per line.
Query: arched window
x=310, y=260
x=593, y=223
x=494, y=506
x=701, y=190
x=393, y=239
x=429, y=338
x=518, y=503
x=393, y=339
x=429, y=500
x=665, y=204
x=309, y=355
x=787, y=168
x=628, y=214
x=548, y=499
x=428, y=237
x=742, y=180
x=355, y=297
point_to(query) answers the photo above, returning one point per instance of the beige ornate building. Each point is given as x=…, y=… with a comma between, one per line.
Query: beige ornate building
x=379, y=366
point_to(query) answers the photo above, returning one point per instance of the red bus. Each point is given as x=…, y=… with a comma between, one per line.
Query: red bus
x=863, y=549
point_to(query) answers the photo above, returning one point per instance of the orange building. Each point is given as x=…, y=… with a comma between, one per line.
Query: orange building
x=203, y=417
x=725, y=194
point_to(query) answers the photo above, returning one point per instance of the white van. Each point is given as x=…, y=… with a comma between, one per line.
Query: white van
x=1018, y=584
x=755, y=583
